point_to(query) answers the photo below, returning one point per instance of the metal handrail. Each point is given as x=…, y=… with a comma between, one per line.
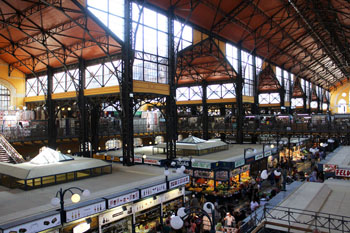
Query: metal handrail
x=294, y=218
x=12, y=152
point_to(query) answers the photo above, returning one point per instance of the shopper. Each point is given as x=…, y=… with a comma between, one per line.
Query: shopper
x=167, y=228
x=254, y=204
x=229, y=220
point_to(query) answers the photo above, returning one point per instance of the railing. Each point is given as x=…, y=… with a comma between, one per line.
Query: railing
x=15, y=156
x=288, y=219
x=38, y=130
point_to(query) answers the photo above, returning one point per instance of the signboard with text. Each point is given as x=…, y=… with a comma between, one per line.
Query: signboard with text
x=37, y=225
x=342, y=172
x=121, y=200
x=178, y=182
x=153, y=190
x=115, y=214
x=239, y=163
x=201, y=164
x=151, y=161
x=85, y=211
x=259, y=156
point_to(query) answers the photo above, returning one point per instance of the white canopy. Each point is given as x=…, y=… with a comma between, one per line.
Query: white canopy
x=50, y=156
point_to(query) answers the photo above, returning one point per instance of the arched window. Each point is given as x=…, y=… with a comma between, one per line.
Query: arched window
x=5, y=98
x=342, y=106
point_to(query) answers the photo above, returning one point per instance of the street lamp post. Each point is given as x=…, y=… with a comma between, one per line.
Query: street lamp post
x=176, y=222
x=59, y=199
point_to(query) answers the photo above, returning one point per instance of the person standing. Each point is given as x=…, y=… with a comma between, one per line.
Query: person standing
x=229, y=220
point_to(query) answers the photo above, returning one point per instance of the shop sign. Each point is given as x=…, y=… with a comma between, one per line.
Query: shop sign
x=185, y=163
x=268, y=153
x=235, y=172
x=203, y=174
x=239, y=163
x=117, y=201
x=85, y=211
x=329, y=167
x=221, y=164
x=250, y=160
x=172, y=194
x=137, y=160
x=342, y=172
x=153, y=190
x=259, y=156
x=221, y=175
x=146, y=204
x=201, y=164
x=178, y=182
x=151, y=161
x=37, y=225
x=115, y=214
x=245, y=168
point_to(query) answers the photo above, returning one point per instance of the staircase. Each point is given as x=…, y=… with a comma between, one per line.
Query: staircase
x=8, y=154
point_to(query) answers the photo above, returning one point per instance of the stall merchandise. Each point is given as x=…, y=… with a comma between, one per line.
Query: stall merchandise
x=147, y=220
x=118, y=220
x=224, y=182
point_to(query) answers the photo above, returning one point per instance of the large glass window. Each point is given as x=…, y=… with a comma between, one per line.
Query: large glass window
x=279, y=75
x=269, y=98
x=220, y=91
x=5, y=98
x=287, y=85
x=185, y=33
x=342, y=106
x=151, y=45
x=182, y=93
x=258, y=63
x=247, y=73
x=297, y=102
x=111, y=13
x=232, y=56
x=64, y=81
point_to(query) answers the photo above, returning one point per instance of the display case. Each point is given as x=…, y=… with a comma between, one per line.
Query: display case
x=147, y=220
